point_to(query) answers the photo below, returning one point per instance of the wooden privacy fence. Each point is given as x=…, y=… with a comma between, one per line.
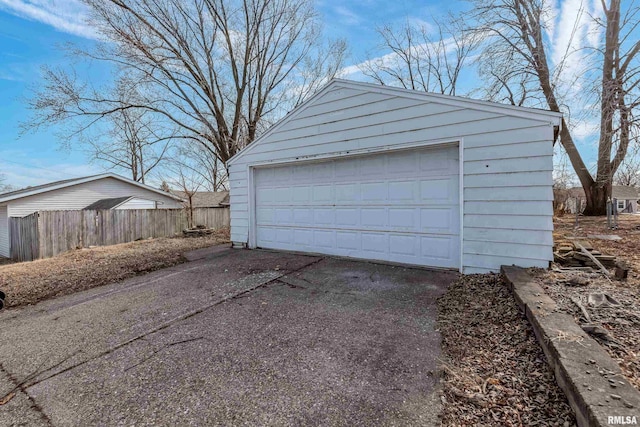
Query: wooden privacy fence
x=47, y=233
x=24, y=238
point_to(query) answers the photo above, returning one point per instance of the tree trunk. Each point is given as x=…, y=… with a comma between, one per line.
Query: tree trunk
x=597, y=195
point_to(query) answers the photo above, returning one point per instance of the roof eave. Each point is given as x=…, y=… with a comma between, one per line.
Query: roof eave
x=84, y=181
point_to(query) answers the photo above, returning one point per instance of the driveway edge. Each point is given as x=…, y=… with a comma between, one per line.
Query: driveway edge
x=588, y=376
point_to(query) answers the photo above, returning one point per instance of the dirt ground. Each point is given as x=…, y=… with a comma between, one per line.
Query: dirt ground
x=621, y=322
x=494, y=371
x=77, y=270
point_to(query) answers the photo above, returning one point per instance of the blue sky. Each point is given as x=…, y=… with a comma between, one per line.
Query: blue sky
x=33, y=31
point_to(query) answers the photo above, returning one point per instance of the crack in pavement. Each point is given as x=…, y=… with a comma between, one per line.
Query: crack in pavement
x=20, y=386
x=166, y=325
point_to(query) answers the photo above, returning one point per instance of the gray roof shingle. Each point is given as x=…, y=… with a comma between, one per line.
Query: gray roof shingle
x=106, y=204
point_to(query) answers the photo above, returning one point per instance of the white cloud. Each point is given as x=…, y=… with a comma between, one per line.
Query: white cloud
x=573, y=33
x=347, y=16
x=68, y=16
x=35, y=172
x=585, y=129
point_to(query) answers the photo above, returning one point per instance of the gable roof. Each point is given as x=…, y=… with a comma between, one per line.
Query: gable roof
x=458, y=101
x=625, y=192
x=106, y=204
x=205, y=199
x=39, y=189
x=622, y=192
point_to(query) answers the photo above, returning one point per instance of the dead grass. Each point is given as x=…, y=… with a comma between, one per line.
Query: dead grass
x=77, y=270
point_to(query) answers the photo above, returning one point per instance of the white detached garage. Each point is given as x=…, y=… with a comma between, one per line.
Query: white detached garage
x=381, y=173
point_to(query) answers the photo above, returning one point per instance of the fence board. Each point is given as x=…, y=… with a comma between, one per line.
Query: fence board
x=23, y=238
x=47, y=233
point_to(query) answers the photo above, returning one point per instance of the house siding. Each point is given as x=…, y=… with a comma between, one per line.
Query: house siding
x=137, y=203
x=506, y=161
x=4, y=232
x=81, y=195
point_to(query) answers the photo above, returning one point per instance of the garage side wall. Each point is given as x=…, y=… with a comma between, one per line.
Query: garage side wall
x=507, y=165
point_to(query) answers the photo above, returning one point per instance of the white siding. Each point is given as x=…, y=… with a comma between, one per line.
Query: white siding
x=507, y=163
x=82, y=195
x=4, y=232
x=137, y=203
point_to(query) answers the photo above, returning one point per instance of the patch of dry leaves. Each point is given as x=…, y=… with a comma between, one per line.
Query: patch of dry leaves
x=495, y=373
x=77, y=270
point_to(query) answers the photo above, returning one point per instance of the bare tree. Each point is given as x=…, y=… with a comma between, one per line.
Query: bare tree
x=186, y=181
x=516, y=29
x=202, y=163
x=421, y=58
x=134, y=139
x=629, y=171
x=3, y=186
x=212, y=69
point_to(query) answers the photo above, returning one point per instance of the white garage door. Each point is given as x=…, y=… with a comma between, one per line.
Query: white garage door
x=399, y=206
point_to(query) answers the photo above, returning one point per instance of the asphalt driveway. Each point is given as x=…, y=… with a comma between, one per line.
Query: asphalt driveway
x=234, y=337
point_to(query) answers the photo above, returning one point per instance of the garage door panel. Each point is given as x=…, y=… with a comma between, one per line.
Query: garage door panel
x=303, y=237
x=374, y=191
x=323, y=193
x=347, y=217
x=374, y=242
x=348, y=193
x=265, y=215
x=403, y=191
x=265, y=196
x=324, y=238
x=347, y=240
x=438, y=190
x=402, y=163
x=439, y=220
x=404, y=219
x=401, y=207
x=436, y=247
x=403, y=245
x=301, y=194
x=373, y=217
x=372, y=166
x=324, y=216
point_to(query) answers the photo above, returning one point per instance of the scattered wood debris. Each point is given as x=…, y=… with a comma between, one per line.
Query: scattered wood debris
x=612, y=307
x=198, y=231
x=582, y=254
x=494, y=371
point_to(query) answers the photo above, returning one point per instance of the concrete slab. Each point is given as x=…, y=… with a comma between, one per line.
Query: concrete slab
x=237, y=337
x=590, y=378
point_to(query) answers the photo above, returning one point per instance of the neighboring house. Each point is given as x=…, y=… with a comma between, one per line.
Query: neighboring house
x=382, y=173
x=626, y=198
x=77, y=194
x=205, y=199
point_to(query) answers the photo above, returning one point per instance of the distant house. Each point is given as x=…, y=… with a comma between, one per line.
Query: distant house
x=205, y=199
x=105, y=191
x=625, y=195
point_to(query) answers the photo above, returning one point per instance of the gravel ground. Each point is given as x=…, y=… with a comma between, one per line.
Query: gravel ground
x=494, y=371
x=77, y=270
